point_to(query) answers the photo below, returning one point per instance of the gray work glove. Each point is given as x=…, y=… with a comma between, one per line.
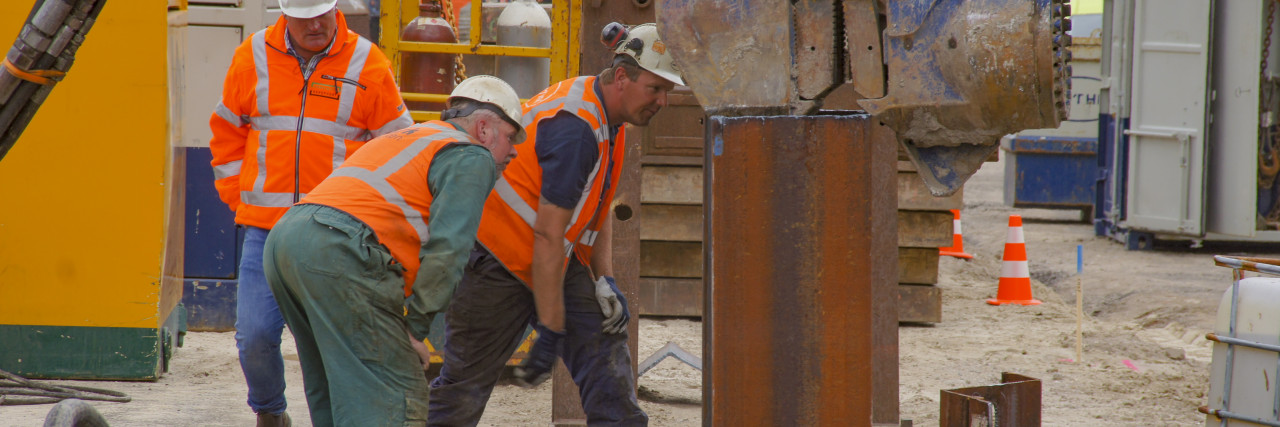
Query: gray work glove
x=613, y=305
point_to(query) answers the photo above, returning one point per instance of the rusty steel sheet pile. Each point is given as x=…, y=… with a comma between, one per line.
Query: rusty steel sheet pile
x=800, y=326
x=950, y=77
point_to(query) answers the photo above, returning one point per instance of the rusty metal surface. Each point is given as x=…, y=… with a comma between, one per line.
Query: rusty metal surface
x=819, y=60
x=566, y=405
x=800, y=324
x=865, y=60
x=1013, y=402
x=967, y=72
x=734, y=54
x=961, y=74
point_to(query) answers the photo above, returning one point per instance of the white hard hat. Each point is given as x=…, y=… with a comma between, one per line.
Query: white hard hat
x=494, y=92
x=641, y=42
x=306, y=8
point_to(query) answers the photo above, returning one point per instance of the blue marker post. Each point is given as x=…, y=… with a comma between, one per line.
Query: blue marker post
x=1079, y=303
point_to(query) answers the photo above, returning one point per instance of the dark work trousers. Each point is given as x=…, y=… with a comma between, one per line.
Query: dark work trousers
x=485, y=324
x=342, y=296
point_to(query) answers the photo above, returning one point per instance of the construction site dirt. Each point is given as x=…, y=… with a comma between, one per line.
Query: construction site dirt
x=1145, y=360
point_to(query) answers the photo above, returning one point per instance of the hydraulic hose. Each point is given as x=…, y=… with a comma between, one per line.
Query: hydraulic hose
x=40, y=57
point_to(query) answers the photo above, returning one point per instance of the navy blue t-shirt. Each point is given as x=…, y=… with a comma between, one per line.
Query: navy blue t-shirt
x=567, y=151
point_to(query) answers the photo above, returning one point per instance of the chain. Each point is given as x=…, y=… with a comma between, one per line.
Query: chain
x=1269, y=142
x=1266, y=53
x=1267, y=161
x=461, y=69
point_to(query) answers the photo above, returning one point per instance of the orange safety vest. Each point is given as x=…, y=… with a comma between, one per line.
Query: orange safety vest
x=506, y=228
x=350, y=98
x=385, y=186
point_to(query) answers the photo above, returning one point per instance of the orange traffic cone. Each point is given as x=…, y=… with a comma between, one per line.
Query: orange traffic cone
x=957, y=240
x=1015, y=277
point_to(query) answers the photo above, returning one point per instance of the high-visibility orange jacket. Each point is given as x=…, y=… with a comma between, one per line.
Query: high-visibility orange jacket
x=506, y=228
x=385, y=187
x=350, y=98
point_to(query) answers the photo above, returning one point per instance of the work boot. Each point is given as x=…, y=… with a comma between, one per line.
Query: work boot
x=274, y=420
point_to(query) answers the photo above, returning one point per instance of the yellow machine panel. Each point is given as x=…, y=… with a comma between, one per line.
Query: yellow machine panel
x=84, y=222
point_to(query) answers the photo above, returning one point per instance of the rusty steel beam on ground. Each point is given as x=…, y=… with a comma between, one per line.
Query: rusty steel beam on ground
x=1013, y=402
x=800, y=323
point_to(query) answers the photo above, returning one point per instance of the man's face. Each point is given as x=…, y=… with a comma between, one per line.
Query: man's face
x=313, y=34
x=499, y=138
x=642, y=98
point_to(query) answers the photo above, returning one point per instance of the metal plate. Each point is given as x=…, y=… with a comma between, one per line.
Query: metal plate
x=734, y=54
x=1167, y=148
x=801, y=317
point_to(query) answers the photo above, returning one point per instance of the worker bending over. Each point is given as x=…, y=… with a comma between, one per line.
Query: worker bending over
x=543, y=252
x=265, y=156
x=388, y=233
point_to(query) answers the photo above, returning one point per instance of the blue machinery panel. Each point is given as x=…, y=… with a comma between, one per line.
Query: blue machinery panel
x=1050, y=172
x=212, y=255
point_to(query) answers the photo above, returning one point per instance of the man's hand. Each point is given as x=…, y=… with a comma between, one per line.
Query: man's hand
x=423, y=353
x=537, y=368
x=612, y=304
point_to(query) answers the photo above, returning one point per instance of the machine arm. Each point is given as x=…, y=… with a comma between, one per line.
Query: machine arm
x=950, y=77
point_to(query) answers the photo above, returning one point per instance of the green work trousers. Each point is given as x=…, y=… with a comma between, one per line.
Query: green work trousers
x=342, y=295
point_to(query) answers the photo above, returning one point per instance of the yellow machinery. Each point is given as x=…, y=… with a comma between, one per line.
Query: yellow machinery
x=90, y=261
x=566, y=23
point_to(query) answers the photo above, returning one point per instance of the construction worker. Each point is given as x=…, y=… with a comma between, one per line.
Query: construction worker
x=385, y=235
x=543, y=249
x=266, y=156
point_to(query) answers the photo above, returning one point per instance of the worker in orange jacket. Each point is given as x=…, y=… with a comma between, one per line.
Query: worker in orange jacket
x=362, y=264
x=299, y=98
x=543, y=248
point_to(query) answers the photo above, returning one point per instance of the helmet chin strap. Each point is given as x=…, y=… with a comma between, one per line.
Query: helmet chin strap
x=453, y=113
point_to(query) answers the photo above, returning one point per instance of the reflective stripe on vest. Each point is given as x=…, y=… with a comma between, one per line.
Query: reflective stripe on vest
x=386, y=186
x=271, y=200
x=377, y=179
x=529, y=215
x=570, y=102
x=506, y=228
x=260, y=181
x=348, y=97
x=263, y=88
x=226, y=170
x=265, y=122
x=310, y=124
x=404, y=121
x=225, y=113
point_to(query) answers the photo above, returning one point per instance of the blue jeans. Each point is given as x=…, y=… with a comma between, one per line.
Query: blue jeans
x=484, y=325
x=259, y=326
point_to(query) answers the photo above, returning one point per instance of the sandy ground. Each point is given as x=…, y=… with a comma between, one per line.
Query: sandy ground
x=1148, y=308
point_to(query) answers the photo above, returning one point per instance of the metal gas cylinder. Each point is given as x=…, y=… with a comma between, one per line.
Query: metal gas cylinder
x=524, y=23
x=427, y=72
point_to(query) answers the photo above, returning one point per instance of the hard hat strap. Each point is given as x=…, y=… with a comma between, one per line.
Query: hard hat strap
x=470, y=107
